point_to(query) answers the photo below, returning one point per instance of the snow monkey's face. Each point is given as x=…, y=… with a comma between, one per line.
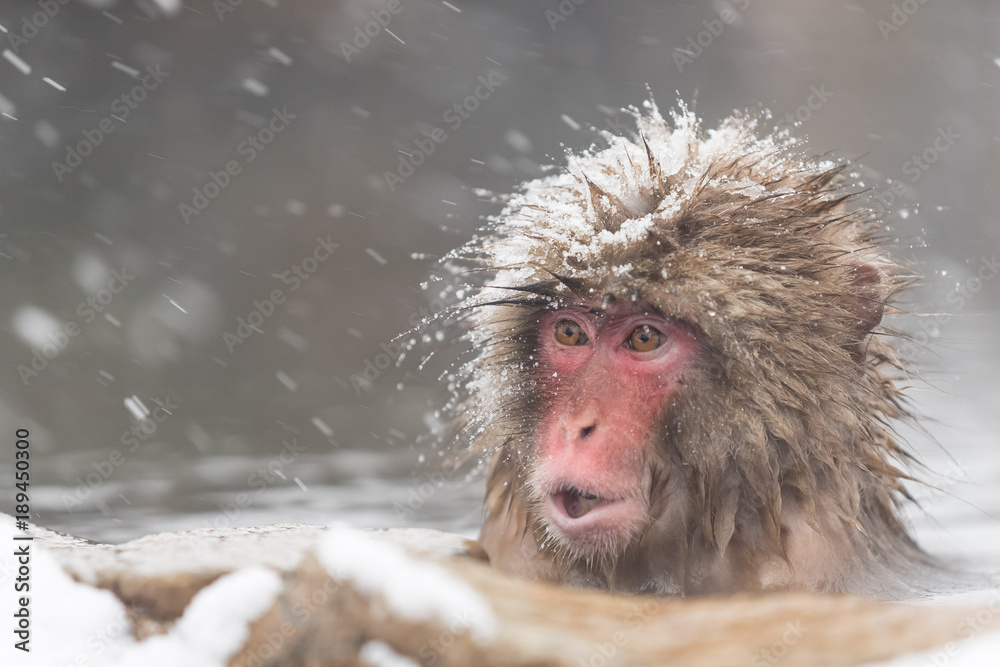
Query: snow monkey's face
x=610, y=372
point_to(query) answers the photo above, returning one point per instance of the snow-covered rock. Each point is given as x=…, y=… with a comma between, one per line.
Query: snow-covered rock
x=310, y=595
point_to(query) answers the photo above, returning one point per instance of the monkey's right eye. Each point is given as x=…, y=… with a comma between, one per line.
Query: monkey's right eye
x=569, y=332
x=645, y=339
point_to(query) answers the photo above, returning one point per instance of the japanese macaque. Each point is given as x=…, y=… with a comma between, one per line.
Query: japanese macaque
x=679, y=372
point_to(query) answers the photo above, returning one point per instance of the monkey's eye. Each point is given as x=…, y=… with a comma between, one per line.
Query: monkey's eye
x=645, y=339
x=569, y=332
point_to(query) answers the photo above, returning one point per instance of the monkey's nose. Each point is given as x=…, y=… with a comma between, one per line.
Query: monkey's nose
x=587, y=431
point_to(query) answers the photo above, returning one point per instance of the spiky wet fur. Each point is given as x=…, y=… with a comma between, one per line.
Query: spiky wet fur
x=790, y=412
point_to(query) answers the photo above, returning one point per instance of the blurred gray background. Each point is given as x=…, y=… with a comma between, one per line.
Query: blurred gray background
x=275, y=429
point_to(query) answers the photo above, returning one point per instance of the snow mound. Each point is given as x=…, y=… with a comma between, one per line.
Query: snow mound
x=412, y=589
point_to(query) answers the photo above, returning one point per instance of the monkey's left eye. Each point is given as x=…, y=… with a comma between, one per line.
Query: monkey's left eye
x=569, y=332
x=645, y=339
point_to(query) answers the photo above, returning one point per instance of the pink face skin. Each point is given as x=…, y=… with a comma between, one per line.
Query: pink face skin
x=608, y=399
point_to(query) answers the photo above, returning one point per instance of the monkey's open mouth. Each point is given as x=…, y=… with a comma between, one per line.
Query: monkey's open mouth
x=590, y=523
x=577, y=502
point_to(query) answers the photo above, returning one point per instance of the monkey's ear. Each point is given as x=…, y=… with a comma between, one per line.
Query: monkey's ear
x=865, y=306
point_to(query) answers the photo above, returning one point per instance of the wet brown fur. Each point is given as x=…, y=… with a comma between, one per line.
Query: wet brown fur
x=777, y=466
